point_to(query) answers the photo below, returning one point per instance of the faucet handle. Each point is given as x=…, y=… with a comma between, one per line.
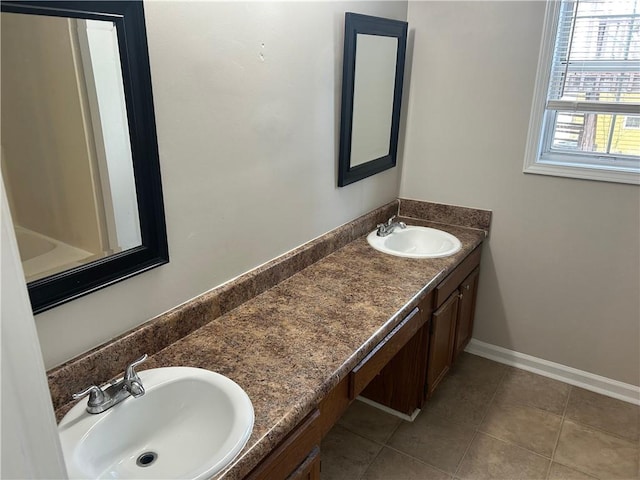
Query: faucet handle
x=130, y=373
x=96, y=395
x=390, y=221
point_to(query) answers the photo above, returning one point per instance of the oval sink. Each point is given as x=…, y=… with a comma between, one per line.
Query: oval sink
x=416, y=242
x=190, y=423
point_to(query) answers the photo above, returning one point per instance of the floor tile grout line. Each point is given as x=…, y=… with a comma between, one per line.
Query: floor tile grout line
x=393, y=432
x=405, y=454
x=366, y=469
x=508, y=442
x=577, y=469
x=377, y=442
x=384, y=443
x=605, y=432
x=478, y=431
x=598, y=429
x=493, y=397
x=477, y=427
x=555, y=447
x=475, y=434
x=390, y=447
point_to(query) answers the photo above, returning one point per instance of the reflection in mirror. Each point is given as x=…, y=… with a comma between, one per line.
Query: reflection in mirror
x=66, y=156
x=78, y=142
x=372, y=78
x=374, y=82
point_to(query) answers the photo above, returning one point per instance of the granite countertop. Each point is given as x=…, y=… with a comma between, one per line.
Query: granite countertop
x=288, y=346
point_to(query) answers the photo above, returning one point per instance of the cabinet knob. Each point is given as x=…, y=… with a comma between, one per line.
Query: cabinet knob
x=466, y=287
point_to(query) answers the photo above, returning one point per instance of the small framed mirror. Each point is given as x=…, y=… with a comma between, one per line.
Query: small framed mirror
x=79, y=150
x=372, y=78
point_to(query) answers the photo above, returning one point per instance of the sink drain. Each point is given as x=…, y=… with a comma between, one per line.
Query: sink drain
x=146, y=459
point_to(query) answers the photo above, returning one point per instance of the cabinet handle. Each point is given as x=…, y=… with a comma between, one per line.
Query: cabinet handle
x=460, y=295
x=466, y=287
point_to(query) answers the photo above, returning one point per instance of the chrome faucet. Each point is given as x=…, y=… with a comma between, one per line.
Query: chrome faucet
x=385, y=229
x=101, y=400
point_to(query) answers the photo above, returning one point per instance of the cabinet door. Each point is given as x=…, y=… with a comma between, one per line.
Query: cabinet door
x=443, y=327
x=466, y=310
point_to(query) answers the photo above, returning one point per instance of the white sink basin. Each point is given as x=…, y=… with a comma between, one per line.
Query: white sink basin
x=416, y=242
x=194, y=421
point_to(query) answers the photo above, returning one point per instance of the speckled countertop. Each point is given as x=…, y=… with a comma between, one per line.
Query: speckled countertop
x=289, y=345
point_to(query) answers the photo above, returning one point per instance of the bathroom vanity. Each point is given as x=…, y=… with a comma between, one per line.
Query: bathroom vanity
x=401, y=372
x=307, y=333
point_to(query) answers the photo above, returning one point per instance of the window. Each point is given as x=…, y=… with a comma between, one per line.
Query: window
x=632, y=123
x=584, y=120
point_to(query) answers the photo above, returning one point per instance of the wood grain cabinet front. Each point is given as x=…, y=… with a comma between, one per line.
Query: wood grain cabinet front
x=452, y=322
x=289, y=458
x=443, y=329
x=309, y=469
x=468, y=292
x=418, y=368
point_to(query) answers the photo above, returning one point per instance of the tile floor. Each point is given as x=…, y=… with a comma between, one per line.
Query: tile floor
x=490, y=421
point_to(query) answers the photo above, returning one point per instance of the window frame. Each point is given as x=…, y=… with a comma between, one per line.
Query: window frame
x=561, y=164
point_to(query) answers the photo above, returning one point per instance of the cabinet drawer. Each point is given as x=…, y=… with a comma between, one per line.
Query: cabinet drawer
x=455, y=278
x=286, y=457
x=369, y=367
x=309, y=469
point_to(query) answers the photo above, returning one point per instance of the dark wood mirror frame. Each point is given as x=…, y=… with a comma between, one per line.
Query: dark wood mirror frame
x=128, y=17
x=364, y=24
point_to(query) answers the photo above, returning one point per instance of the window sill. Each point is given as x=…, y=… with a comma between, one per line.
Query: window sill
x=583, y=172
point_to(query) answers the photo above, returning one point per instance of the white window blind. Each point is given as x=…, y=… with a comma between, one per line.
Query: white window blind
x=592, y=89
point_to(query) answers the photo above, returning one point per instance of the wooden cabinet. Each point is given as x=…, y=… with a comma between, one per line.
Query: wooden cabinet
x=452, y=322
x=294, y=454
x=417, y=369
x=309, y=469
x=400, y=372
x=468, y=291
x=443, y=329
x=333, y=405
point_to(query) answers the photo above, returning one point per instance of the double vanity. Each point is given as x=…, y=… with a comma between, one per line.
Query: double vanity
x=306, y=334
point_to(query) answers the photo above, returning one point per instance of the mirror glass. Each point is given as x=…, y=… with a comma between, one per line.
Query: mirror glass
x=66, y=155
x=372, y=78
x=374, y=82
x=78, y=145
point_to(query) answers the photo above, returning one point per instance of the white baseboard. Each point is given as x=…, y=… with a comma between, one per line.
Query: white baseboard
x=572, y=376
x=391, y=411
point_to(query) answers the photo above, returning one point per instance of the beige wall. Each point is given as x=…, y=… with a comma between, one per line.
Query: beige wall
x=47, y=161
x=561, y=271
x=247, y=101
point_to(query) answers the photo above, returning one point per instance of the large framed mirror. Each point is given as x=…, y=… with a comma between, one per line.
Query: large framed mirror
x=79, y=149
x=372, y=78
